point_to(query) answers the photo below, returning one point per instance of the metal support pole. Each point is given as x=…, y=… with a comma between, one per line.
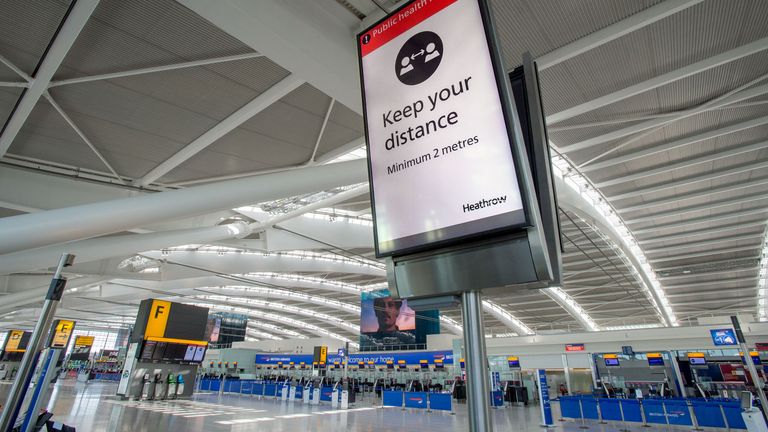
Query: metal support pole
x=21, y=384
x=750, y=365
x=476, y=363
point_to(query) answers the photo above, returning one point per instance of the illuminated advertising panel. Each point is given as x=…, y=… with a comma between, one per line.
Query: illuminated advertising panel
x=440, y=150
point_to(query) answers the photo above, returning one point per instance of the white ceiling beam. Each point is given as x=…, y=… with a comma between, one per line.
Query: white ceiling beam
x=322, y=131
x=692, y=195
x=614, y=31
x=506, y=318
x=259, y=304
x=82, y=136
x=91, y=220
x=703, y=219
x=65, y=38
x=687, y=181
x=664, y=147
x=15, y=69
x=306, y=38
x=13, y=84
x=717, y=281
x=299, y=324
x=571, y=200
x=154, y=69
x=653, y=125
x=243, y=114
x=574, y=309
x=700, y=243
x=704, y=231
x=703, y=254
x=661, y=80
x=653, y=217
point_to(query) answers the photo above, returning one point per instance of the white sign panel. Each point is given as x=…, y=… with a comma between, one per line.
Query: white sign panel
x=440, y=156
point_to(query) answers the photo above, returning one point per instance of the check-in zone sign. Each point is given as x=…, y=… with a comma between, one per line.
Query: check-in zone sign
x=440, y=159
x=62, y=333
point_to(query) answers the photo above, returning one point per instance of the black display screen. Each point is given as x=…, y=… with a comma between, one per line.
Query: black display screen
x=655, y=361
x=159, y=353
x=148, y=351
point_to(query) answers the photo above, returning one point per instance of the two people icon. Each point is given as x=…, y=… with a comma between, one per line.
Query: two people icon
x=418, y=58
x=407, y=61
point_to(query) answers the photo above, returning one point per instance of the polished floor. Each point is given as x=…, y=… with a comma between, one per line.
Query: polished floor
x=93, y=407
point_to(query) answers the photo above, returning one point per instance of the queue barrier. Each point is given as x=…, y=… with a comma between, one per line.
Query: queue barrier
x=716, y=413
x=418, y=400
x=249, y=387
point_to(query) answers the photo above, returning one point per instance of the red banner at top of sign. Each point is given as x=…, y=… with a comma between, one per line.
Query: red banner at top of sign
x=399, y=22
x=574, y=347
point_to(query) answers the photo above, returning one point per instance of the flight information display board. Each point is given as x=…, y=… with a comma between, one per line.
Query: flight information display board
x=17, y=341
x=655, y=359
x=171, y=322
x=82, y=348
x=441, y=155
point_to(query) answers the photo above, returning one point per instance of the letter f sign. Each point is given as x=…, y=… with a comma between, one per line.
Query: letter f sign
x=159, y=310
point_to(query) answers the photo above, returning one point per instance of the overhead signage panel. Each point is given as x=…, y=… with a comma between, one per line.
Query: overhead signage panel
x=370, y=358
x=723, y=337
x=15, y=341
x=62, y=332
x=574, y=347
x=439, y=148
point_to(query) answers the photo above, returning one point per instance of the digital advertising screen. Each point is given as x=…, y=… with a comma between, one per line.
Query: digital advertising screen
x=385, y=321
x=440, y=154
x=697, y=361
x=213, y=329
x=655, y=361
x=610, y=362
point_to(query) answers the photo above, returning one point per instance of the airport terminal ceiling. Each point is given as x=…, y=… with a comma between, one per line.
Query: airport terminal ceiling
x=657, y=114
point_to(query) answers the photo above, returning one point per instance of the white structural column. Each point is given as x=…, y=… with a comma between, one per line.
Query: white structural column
x=663, y=79
x=64, y=40
x=302, y=37
x=96, y=249
x=614, y=31
x=91, y=220
x=243, y=114
x=102, y=248
x=153, y=69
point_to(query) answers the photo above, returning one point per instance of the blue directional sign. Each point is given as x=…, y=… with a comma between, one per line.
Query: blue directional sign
x=721, y=337
x=546, y=407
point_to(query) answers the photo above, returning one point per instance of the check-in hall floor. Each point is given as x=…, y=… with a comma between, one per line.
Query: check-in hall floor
x=93, y=407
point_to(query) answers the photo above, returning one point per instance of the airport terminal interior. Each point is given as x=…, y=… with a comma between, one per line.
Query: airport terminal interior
x=383, y=215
